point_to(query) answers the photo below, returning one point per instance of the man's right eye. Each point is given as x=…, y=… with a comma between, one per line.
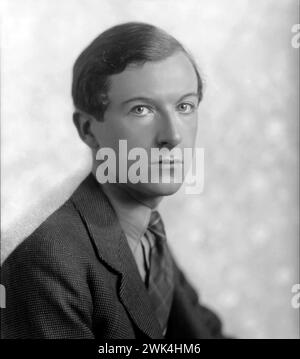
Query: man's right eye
x=140, y=110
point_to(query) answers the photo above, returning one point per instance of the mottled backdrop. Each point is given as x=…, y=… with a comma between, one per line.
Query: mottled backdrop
x=237, y=240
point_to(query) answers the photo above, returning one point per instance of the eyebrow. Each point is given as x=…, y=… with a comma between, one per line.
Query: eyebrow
x=149, y=99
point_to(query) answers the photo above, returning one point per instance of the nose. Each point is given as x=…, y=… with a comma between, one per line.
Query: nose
x=168, y=134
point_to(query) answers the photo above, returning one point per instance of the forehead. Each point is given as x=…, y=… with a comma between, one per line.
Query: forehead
x=168, y=79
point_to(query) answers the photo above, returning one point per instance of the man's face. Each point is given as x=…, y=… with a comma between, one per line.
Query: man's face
x=153, y=105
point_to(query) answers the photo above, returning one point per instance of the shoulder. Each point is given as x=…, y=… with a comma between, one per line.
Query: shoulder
x=61, y=238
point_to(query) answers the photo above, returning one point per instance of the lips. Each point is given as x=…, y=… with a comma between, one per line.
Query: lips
x=168, y=161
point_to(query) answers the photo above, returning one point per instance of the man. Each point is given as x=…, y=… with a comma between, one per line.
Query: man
x=100, y=267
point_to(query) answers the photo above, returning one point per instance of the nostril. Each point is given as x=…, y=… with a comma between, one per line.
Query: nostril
x=170, y=143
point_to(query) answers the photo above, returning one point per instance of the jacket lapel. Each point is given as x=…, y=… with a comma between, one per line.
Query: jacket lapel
x=111, y=245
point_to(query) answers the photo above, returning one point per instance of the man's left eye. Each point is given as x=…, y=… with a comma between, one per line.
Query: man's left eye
x=185, y=107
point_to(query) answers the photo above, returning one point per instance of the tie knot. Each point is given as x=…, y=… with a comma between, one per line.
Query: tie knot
x=156, y=225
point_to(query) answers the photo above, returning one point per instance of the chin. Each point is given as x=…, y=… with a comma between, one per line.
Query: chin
x=158, y=189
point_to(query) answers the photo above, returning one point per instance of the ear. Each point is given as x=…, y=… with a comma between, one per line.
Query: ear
x=83, y=122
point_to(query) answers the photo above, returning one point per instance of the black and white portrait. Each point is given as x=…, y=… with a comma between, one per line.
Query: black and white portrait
x=150, y=169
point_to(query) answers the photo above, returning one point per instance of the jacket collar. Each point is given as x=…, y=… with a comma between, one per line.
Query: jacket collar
x=112, y=248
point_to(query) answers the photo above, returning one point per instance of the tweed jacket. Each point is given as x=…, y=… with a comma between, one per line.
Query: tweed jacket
x=75, y=277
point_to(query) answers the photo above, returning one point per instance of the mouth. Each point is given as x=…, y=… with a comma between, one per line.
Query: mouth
x=168, y=161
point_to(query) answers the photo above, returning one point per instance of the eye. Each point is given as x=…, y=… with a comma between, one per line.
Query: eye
x=140, y=110
x=185, y=107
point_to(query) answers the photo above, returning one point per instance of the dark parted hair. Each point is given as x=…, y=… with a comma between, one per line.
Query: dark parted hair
x=110, y=53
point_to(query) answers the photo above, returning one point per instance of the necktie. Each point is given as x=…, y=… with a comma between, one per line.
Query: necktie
x=160, y=276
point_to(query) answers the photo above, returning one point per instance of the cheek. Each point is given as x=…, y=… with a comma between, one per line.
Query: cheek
x=136, y=133
x=110, y=131
x=189, y=132
x=143, y=138
x=117, y=128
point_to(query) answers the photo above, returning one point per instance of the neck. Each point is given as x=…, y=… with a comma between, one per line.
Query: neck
x=147, y=200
